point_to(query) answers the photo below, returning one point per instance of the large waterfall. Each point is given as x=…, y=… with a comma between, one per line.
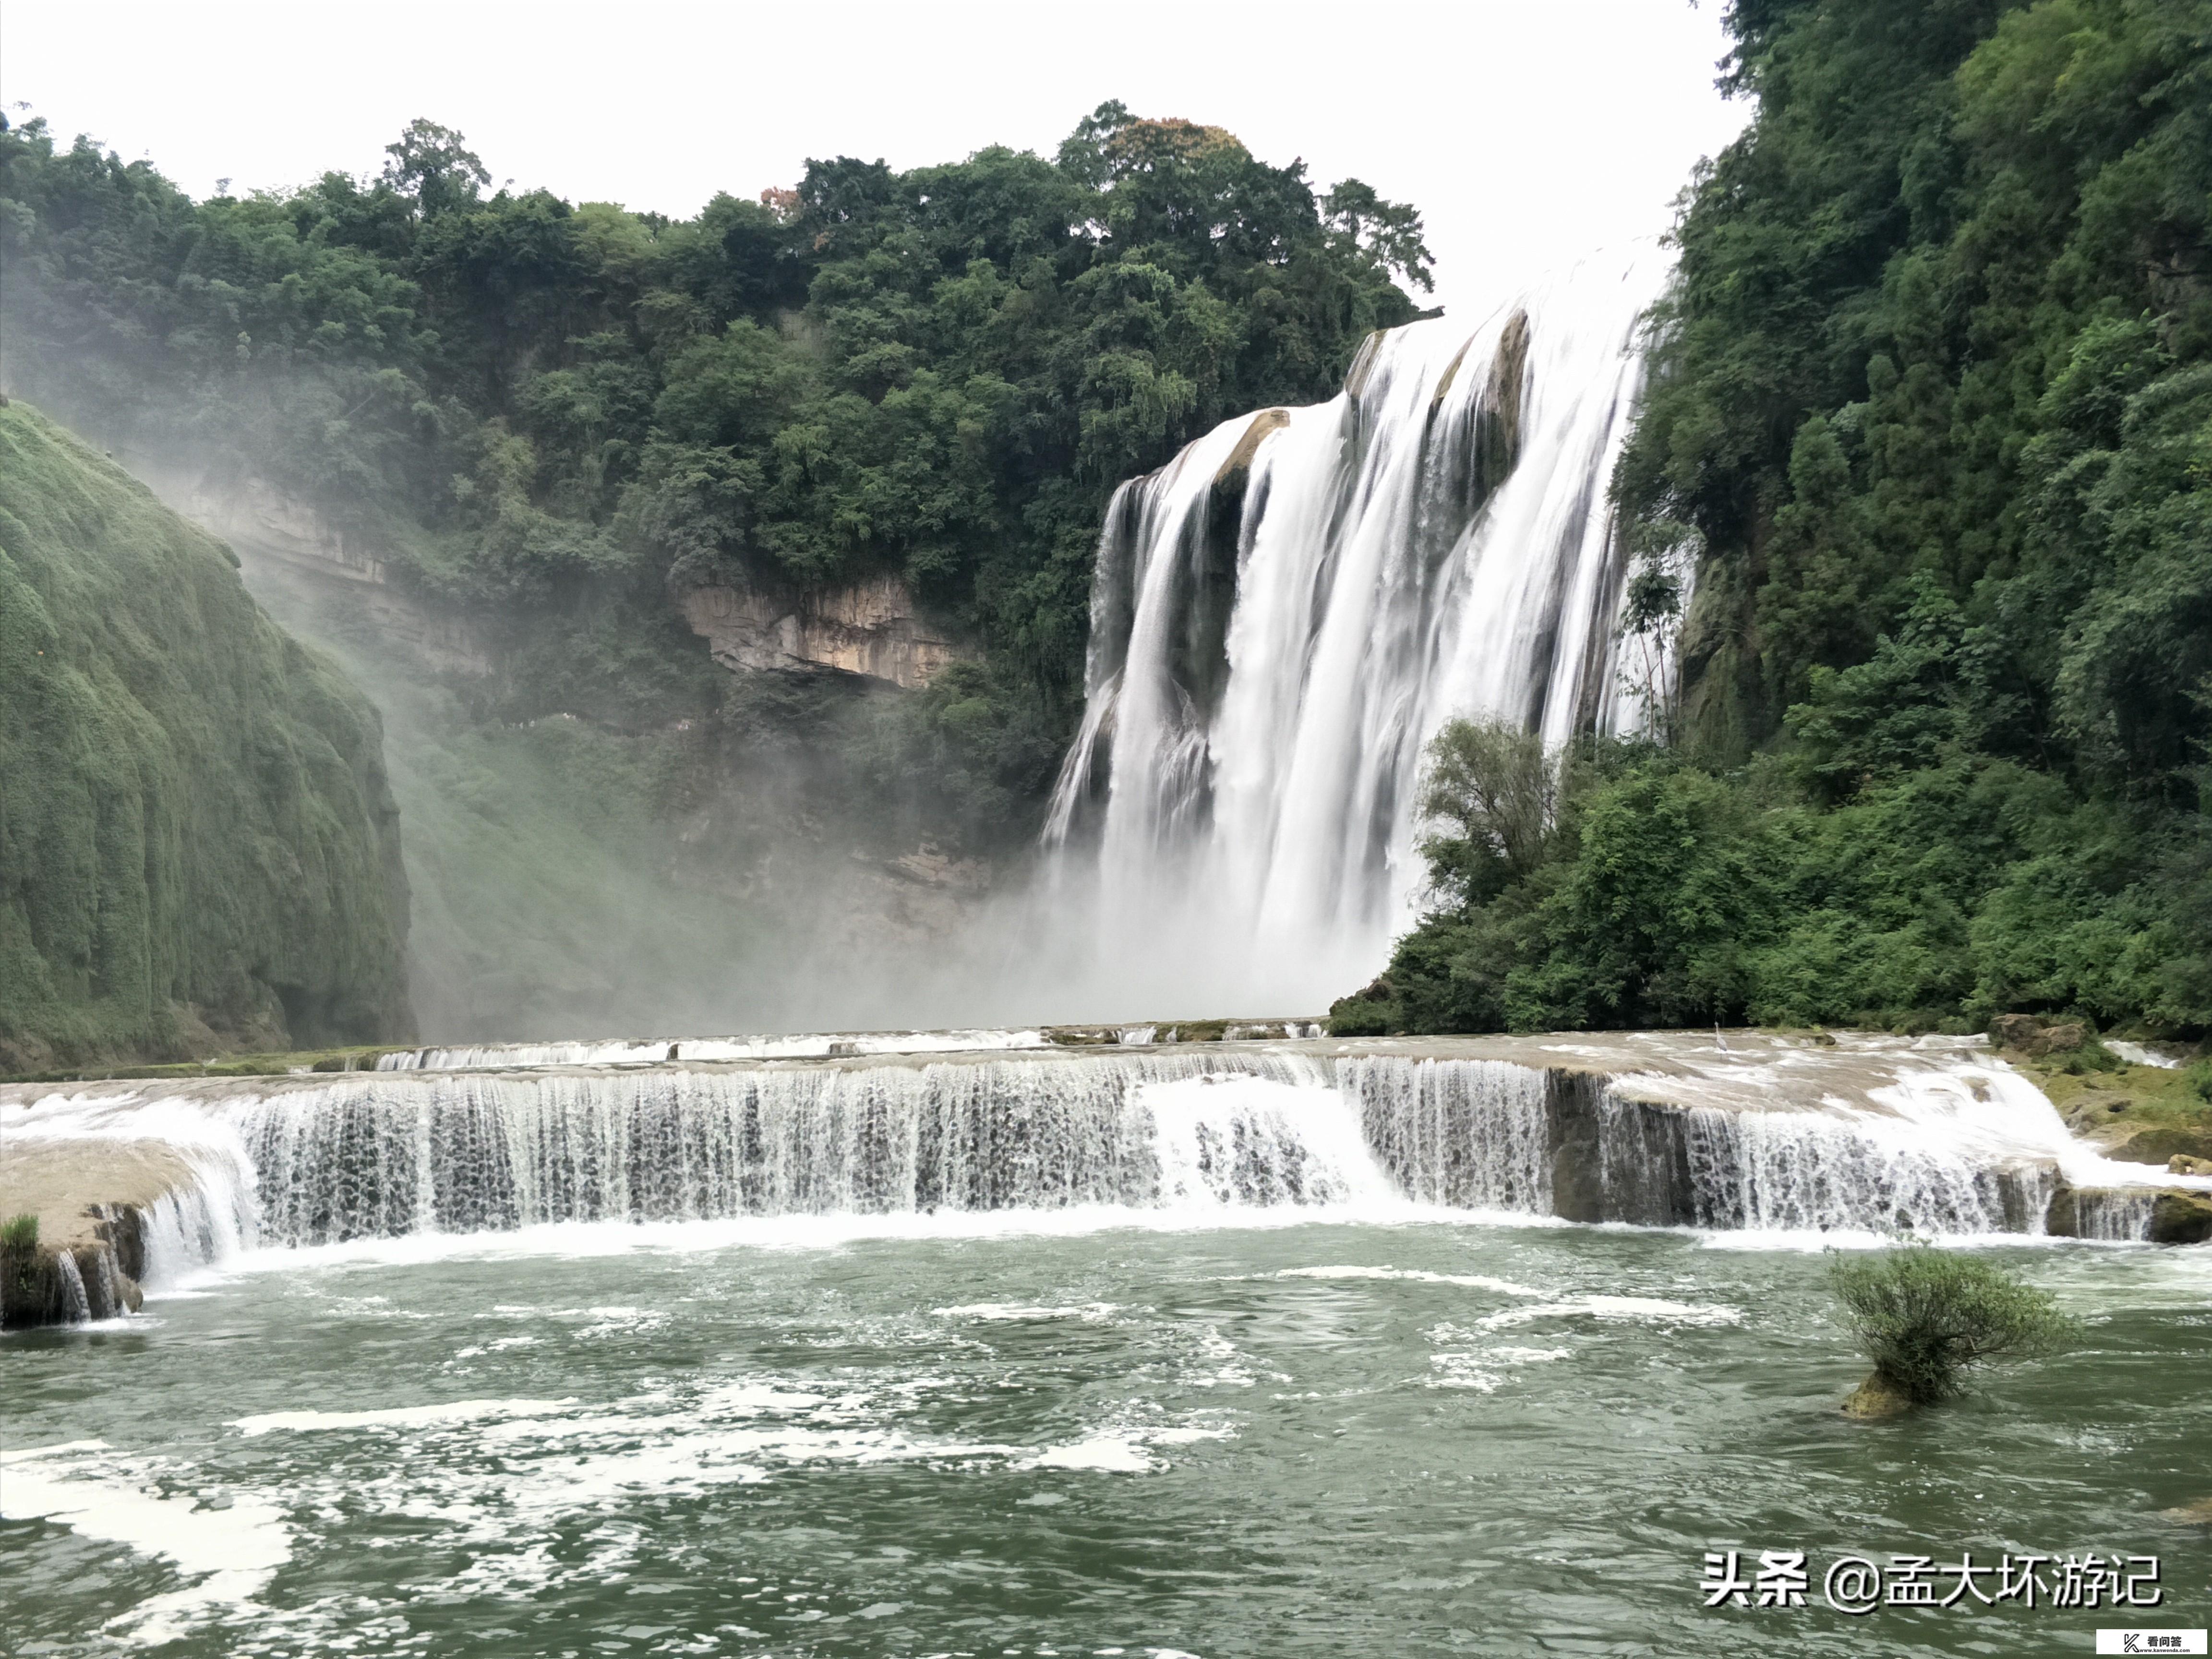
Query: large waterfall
x=1283, y=615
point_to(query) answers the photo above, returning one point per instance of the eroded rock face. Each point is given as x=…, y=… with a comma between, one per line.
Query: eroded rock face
x=872, y=629
x=252, y=511
x=2035, y=1037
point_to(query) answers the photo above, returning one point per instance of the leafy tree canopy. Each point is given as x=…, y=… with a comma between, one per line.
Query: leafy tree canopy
x=547, y=408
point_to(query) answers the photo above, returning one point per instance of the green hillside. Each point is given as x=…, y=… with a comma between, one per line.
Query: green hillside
x=198, y=850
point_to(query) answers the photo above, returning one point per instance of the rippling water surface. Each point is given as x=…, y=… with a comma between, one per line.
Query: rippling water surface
x=1338, y=1440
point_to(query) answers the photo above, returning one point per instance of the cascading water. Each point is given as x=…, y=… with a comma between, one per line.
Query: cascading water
x=1947, y=1143
x=1284, y=616
x=1468, y=1135
x=369, y=1158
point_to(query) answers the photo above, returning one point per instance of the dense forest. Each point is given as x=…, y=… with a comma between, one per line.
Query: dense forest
x=1929, y=445
x=1919, y=498
x=555, y=418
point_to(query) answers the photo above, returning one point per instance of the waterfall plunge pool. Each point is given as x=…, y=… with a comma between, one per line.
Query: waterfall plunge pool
x=1316, y=1437
x=1266, y=1350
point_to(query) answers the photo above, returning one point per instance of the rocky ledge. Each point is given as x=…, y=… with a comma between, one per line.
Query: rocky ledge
x=89, y=1254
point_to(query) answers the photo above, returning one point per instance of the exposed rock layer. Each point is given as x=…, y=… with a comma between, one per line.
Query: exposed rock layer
x=872, y=629
x=91, y=1199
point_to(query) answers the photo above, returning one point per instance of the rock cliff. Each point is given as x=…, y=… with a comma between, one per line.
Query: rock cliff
x=872, y=628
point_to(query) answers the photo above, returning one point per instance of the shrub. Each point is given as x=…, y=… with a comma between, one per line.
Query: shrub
x=1924, y=1316
x=19, y=1260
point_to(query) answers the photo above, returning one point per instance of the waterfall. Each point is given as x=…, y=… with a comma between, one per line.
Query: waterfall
x=1798, y=1171
x=76, y=1304
x=373, y=1155
x=1283, y=615
x=365, y=1156
x=201, y=1225
x=1471, y=1134
x=1193, y=1133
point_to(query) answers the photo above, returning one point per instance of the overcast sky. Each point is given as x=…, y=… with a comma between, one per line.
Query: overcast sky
x=1527, y=132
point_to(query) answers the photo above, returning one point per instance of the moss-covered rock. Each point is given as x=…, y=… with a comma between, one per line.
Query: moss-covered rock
x=198, y=850
x=2181, y=1218
x=1876, y=1399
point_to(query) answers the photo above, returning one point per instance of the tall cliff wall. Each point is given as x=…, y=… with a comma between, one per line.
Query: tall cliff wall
x=198, y=848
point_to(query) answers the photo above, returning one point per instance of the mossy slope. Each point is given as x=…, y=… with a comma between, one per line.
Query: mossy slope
x=198, y=847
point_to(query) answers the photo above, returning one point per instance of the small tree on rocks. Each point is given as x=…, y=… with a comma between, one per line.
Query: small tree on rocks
x=1926, y=1317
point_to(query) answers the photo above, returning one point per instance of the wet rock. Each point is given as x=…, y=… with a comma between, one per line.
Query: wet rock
x=2181, y=1218
x=2182, y=1164
x=1876, y=1399
x=2063, y=1218
x=2159, y=1145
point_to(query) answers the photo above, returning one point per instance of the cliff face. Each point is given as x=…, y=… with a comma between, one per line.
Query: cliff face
x=198, y=848
x=870, y=628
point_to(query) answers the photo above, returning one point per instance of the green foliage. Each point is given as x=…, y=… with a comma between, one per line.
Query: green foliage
x=1932, y=382
x=1492, y=787
x=19, y=1261
x=195, y=826
x=1925, y=1317
x=543, y=413
x=1931, y=403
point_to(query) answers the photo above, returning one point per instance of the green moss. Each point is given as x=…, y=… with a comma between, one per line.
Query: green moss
x=2145, y=1114
x=198, y=850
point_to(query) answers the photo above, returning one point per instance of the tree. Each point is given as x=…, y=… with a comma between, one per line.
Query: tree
x=433, y=165
x=1925, y=1317
x=1491, y=784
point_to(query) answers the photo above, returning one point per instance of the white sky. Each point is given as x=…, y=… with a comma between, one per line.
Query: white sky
x=1526, y=131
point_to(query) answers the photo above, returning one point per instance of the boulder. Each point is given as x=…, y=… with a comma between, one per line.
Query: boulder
x=1876, y=1399
x=2036, y=1037
x=2159, y=1145
x=2182, y=1164
x=2181, y=1218
x=2095, y=1112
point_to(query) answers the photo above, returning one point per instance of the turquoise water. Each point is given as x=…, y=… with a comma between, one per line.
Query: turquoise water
x=1314, y=1439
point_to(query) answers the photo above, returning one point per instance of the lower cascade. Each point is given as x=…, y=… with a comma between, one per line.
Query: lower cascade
x=1950, y=1146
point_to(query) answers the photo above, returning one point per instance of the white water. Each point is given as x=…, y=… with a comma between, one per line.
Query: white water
x=516, y=1056
x=806, y=1153
x=2138, y=1053
x=1268, y=663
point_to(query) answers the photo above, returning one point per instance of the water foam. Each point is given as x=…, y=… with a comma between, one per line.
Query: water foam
x=233, y=1550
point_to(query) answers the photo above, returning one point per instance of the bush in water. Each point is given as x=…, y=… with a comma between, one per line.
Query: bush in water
x=1924, y=1316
